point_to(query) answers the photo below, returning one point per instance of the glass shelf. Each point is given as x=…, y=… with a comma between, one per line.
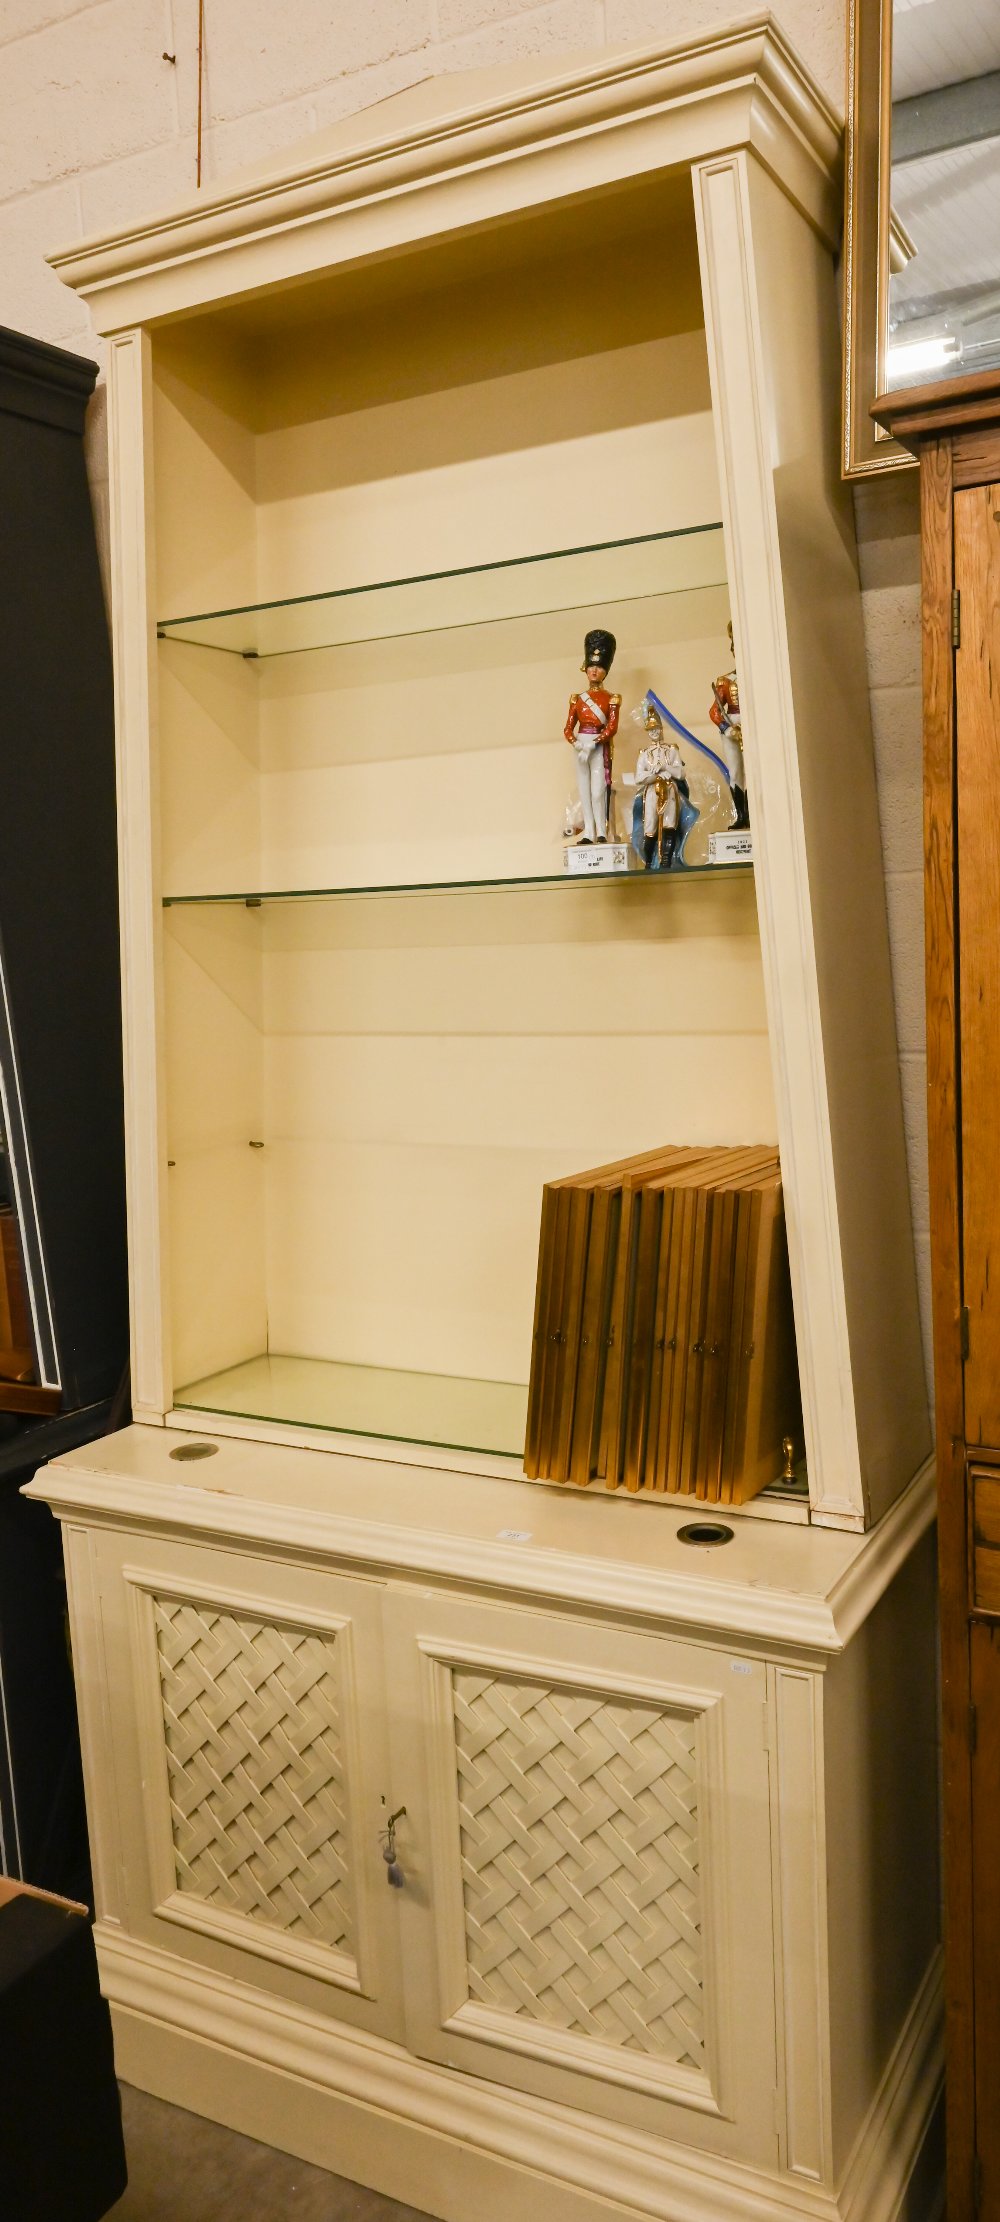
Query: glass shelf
x=588, y=578
x=449, y=1411
x=638, y=878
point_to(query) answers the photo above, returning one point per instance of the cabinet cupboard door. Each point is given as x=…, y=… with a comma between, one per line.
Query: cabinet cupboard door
x=247, y=1736
x=977, y=685
x=587, y=1908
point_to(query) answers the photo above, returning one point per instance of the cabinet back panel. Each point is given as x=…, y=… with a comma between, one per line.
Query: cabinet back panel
x=205, y=497
x=214, y=1075
x=448, y=747
x=210, y=788
x=444, y=757
x=417, y=1067
x=334, y=767
x=566, y=454
x=204, y=468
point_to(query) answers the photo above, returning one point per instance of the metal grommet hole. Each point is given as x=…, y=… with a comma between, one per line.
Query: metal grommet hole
x=195, y=1450
x=705, y=1531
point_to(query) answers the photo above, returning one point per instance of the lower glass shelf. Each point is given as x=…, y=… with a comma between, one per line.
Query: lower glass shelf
x=449, y=1410
x=679, y=875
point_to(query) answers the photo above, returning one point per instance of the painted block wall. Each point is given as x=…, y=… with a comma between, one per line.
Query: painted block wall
x=98, y=125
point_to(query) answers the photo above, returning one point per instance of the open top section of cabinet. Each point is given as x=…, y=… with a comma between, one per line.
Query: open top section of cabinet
x=365, y=1099
x=393, y=426
x=410, y=508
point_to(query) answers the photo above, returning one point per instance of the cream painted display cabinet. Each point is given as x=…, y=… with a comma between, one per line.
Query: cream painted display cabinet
x=503, y=1845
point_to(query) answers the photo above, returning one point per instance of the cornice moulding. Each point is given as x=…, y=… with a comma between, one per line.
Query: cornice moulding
x=781, y=1621
x=747, y=74
x=44, y=383
x=886, y=1548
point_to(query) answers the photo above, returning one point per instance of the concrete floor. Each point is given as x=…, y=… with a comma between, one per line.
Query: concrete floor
x=182, y=2169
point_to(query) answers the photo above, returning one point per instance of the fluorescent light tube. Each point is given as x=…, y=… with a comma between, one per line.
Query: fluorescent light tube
x=907, y=356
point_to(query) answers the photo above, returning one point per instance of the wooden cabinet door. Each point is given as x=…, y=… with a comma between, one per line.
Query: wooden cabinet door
x=246, y=1742
x=954, y=429
x=977, y=741
x=977, y=706
x=587, y=1900
x=985, y=1650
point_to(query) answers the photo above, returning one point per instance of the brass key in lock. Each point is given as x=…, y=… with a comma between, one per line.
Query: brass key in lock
x=387, y=1839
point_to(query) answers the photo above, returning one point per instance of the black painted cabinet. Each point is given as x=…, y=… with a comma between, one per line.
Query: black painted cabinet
x=60, y=1028
x=63, y=1284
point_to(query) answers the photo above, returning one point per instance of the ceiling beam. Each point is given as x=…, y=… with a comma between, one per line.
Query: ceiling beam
x=951, y=116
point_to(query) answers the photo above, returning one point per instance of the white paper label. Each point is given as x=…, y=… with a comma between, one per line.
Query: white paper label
x=740, y=1666
x=514, y=1535
x=734, y=847
x=607, y=856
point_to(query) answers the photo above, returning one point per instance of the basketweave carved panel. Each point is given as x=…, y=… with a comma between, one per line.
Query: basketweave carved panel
x=580, y=1862
x=251, y=1725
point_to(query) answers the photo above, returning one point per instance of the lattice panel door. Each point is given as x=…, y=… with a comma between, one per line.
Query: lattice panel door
x=588, y=1910
x=254, y=1752
x=580, y=1862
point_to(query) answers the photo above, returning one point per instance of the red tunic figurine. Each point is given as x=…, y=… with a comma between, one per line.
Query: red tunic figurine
x=726, y=716
x=590, y=729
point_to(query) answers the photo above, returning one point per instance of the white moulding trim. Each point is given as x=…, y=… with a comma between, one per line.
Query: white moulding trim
x=612, y=89
x=629, y=2169
x=887, y=1547
x=889, y=2139
x=139, y=892
x=780, y=1621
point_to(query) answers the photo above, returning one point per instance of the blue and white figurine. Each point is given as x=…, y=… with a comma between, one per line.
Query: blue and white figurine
x=662, y=796
x=681, y=784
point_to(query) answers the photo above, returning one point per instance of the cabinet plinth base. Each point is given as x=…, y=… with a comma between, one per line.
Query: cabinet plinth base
x=453, y=2147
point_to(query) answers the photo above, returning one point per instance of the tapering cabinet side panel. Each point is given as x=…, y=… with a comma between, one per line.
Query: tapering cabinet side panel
x=133, y=624
x=817, y=844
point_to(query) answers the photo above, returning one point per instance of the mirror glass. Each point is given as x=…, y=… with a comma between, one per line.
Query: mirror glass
x=944, y=191
x=6, y=1196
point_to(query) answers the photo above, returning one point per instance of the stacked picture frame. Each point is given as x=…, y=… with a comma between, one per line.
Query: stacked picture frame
x=663, y=1348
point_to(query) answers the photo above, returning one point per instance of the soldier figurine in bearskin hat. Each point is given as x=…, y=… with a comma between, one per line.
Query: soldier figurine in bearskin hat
x=590, y=729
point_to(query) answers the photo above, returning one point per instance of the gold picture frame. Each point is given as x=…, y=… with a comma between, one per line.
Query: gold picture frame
x=869, y=238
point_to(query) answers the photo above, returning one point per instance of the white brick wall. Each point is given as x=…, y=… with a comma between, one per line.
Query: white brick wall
x=97, y=127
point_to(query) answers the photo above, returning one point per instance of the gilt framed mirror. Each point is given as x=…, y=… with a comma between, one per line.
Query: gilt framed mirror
x=922, y=217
